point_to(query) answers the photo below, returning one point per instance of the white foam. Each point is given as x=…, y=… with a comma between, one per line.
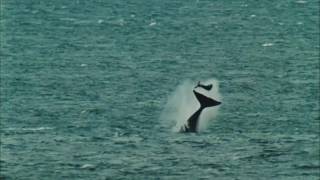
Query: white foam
x=88, y=166
x=152, y=24
x=29, y=129
x=182, y=104
x=267, y=44
x=301, y=2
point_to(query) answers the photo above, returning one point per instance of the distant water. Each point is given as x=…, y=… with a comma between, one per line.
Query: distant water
x=84, y=83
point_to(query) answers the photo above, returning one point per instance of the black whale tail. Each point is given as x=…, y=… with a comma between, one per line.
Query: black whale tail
x=205, y=101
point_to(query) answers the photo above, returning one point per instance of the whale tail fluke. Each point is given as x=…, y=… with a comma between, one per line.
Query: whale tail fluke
x=205, y=101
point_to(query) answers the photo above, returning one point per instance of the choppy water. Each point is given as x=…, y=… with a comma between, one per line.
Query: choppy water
x=83, y=85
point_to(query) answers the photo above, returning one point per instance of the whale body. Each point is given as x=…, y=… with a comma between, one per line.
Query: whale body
x=193, y=120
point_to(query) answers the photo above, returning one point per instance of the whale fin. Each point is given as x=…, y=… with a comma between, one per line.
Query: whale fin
x=206, y=87
x=205, y=101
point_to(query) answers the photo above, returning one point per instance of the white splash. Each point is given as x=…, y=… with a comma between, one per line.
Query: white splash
x=182, y=104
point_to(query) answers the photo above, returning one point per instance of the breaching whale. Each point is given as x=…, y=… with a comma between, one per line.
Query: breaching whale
x=192, y=122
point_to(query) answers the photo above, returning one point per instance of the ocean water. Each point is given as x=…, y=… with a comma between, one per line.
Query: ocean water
x=84, y=85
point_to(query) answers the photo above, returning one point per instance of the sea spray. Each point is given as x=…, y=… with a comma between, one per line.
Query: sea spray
x=182, y=104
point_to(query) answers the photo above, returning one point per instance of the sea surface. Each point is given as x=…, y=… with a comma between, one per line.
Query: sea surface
x=84, y=83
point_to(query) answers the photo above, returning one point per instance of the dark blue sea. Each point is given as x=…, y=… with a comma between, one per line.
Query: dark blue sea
x=85, y=88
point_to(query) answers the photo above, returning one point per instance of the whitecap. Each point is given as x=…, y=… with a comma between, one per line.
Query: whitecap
x=267, y=44
x=88, y=166
x=29, y=129
x=152, y=23
x=301, y=2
